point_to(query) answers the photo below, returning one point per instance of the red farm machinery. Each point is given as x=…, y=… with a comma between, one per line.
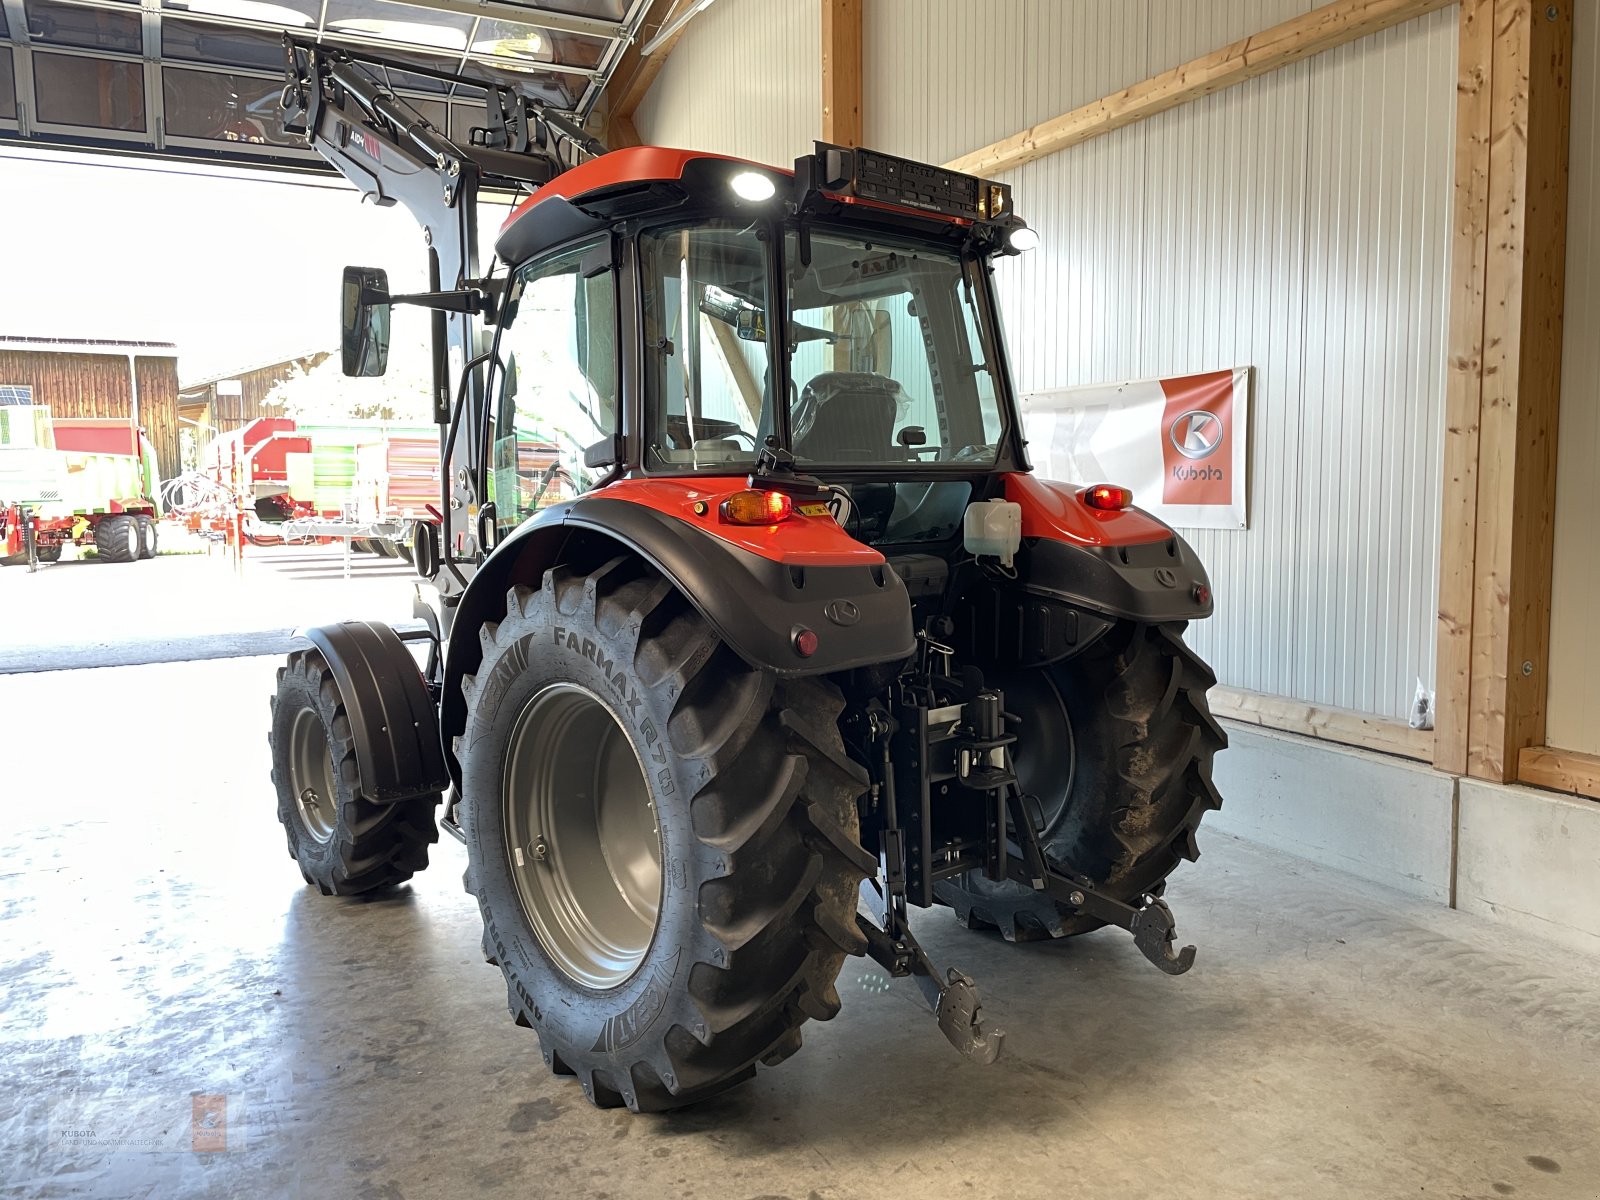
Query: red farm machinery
x=75, y=481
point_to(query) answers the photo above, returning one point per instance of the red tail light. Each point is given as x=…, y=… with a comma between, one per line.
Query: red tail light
x=755, y=507
x=1107, y=497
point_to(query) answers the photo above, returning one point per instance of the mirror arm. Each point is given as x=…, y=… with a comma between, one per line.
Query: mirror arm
x=475, y=301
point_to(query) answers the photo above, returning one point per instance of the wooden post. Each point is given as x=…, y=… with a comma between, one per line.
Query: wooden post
x=841, y=72
x=1458, y=517
x=1505, y=386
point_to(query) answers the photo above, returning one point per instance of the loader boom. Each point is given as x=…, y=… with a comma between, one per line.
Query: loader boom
x=346, y=111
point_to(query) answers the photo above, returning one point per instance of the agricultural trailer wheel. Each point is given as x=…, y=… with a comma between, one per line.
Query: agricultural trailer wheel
x=1117, y=746
x=149, y=536
x=345, y=843
x=116, y=539
x=654, y=836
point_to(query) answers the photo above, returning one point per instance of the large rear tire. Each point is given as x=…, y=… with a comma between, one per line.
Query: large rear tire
x=116, y=539
x=661, y=839
x=1117, y=745
x=345, y=844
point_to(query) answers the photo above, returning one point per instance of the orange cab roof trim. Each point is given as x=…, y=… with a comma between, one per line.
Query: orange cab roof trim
x=636, y=164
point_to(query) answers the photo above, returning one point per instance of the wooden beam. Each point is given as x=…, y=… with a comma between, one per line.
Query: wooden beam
x=739, y=367
x=1320, y=29
x=1524, y=287
x=621, y=133
x=635, y=72
x=1560, y=770
x=1327, y=724
x=1458, y=518
x=841, y=72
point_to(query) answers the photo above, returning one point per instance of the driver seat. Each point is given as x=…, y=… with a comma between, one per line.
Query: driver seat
x=847, y=416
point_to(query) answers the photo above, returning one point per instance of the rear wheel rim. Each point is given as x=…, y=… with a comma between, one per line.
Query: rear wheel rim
x=133, y=540
x=311, y=775
x=583, y=843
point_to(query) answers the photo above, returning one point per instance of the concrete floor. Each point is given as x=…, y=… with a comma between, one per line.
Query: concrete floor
x=1335, y=1039
x=189, y=602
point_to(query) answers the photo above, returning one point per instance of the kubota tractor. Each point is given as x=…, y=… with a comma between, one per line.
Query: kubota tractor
x=784, y=637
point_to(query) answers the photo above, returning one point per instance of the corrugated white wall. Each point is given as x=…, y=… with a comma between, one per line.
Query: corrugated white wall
x=947, y=76
x=744, y=79
x=1574, y=705
x=1298, y=223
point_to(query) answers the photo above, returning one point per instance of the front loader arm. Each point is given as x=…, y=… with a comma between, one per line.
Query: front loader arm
x=346, y=111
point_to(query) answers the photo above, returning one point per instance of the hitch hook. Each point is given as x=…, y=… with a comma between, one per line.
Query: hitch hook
x=960, y=1016
x=1153, y=931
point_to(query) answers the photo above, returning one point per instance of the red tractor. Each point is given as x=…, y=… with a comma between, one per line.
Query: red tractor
x=797, y=642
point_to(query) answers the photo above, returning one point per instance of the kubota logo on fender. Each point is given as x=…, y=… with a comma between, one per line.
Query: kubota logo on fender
x=1196, y=434
x=842, y=612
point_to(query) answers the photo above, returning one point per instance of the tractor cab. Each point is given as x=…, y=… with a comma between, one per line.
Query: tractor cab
x=813, y=313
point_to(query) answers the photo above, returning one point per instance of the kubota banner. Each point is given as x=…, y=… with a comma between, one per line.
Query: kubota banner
x=1178, y=443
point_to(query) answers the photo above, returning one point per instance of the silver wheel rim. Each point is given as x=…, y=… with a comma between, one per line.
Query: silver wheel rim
x=311, y=775
x=133, y=540
x=582, y=840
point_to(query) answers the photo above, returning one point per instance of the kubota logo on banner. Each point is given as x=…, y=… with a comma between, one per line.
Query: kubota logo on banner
x=1178, y=443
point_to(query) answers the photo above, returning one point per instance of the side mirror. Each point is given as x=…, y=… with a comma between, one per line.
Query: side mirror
x=364, y=321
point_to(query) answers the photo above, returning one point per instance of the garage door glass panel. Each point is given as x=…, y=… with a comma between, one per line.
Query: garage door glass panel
x=286, y=14
x=529, y=43
x=605, y=10
x=8, y=86
x=223, y=108
x=404, y=80
x=399, y=23
x=90, y=92
x=89, y=28
x=560, y=90
x=193, y=41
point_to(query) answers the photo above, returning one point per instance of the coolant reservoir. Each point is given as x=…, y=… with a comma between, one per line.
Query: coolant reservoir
x=993, y=530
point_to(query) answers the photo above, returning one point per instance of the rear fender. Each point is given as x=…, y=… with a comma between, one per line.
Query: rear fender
x=1079, y=572
x=755, y=587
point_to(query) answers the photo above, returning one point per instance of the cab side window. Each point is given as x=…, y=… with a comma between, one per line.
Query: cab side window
x=557, y=384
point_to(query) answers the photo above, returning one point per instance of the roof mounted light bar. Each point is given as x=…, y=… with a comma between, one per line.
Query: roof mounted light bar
x=869, y=175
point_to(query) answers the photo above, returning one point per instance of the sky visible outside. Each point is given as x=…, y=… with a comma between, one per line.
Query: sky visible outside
x=239, y=269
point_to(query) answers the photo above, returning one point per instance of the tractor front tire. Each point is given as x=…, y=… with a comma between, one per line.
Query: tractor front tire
x=662, y=839
x=1117, y=745
x=116, y=539
x=345, y=844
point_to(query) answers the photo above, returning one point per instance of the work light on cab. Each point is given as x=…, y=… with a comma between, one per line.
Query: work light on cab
x=1107, y=497
x=753, y=186
x=757, y=507
x=1022, y=239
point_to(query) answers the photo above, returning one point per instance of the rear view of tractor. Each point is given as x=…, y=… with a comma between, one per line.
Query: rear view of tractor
x=774, y=638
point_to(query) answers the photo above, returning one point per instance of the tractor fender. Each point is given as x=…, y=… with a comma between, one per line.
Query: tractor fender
x=1147, y=582
x=393, y=721
x=861, y=613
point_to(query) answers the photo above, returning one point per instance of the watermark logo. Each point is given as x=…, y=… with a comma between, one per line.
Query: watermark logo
x=208, y=1125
